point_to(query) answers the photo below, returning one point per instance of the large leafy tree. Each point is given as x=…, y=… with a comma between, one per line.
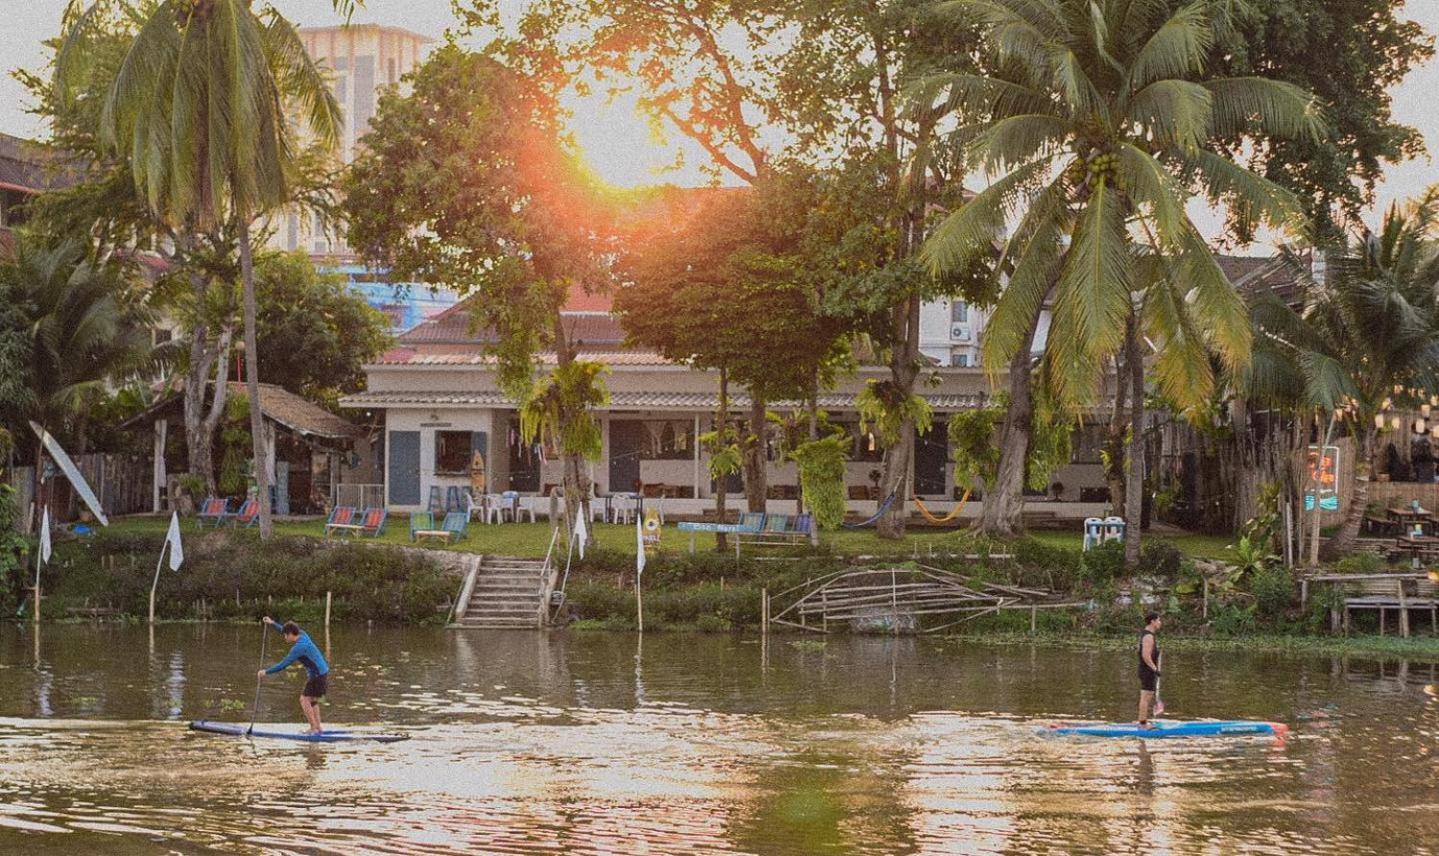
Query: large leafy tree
x=1365, y=338
x=761, y=83
x=198, y=108
x=1350, y=54
x=78, y=326
x=729, y=292
x=467, y=183
x=1101, y=118
x=315, y=335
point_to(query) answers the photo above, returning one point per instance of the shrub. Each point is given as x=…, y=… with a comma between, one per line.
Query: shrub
x=1103, y=563
x=1360, y=563
x=1273, y=589
x=1160, y=559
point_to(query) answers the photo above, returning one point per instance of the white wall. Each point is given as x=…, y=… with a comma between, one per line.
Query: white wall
x=428, y=422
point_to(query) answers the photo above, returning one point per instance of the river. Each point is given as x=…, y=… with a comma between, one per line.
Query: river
x=589, y=743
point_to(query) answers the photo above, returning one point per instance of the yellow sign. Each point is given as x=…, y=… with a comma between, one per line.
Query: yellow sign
x=652, y=530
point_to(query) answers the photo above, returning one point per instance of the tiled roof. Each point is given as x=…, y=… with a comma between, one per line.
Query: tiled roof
x=469, y=357
x=27, y=165
x=453, y=326
x=629, y=400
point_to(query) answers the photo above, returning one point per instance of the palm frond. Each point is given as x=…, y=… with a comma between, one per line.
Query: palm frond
x=1259, y=103
x=1093, y=296
x=1177, y=112
x=1177, y=49
x=977, y=225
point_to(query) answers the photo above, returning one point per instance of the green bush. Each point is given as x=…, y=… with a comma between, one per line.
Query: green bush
x=237, y=575
x=1160, y=559
x=1273, y=589
x=1360, y=563
x=1103, y=563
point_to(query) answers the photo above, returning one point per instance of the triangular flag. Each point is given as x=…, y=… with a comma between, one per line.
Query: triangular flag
x=177, y=553
x=45, y=536
x=582, y=532
x=639, y=547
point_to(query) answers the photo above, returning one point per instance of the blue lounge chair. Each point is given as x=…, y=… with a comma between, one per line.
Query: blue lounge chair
x=457, y=523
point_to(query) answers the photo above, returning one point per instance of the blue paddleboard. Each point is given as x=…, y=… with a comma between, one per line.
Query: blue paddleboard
x=1161, y=729
x=237, y=729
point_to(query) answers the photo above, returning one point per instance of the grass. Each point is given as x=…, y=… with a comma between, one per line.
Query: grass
x=532, y=539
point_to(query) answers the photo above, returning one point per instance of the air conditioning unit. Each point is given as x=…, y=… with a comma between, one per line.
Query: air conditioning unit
x=959, y=333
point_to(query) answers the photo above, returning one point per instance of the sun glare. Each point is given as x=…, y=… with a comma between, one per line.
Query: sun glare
x=619, y=146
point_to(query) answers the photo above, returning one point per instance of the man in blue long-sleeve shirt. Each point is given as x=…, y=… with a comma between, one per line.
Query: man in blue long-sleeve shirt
x=304, y=652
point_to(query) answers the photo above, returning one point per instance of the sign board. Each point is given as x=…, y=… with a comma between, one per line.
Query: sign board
x=652, y=531
x=1323, y=466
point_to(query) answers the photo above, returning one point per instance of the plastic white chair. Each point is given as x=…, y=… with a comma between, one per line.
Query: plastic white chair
x=522, y=507
x=622, y=507
x=1093, y=532
x=1114, y=529
x=493, y=505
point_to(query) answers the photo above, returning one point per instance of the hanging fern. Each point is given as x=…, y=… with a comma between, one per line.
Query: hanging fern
x=235, y=436
x=560, y=411
x=885, y=407
x=725, y=455
x=1051, y=446
x=973, y=443
x=821, y=477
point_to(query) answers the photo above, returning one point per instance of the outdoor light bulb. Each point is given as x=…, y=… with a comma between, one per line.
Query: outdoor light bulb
x=1434, y=431
x=871, y=442
x=1396, y=422
x=1424, y=410
x=1379, y=420
x=1419, y=426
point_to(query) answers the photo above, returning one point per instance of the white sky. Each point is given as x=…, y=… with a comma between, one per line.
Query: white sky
x=617, y=141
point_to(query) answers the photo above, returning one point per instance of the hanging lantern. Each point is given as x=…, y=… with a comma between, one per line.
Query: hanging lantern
x=1419, y=426
x=1398, y=388
x=1379, y=421
x=871, y=442
x=1396, y=423
x=1388, y=403
x=1424, y=410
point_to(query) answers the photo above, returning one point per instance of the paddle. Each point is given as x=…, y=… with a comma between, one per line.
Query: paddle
x=1158, y=702
x=255, y=711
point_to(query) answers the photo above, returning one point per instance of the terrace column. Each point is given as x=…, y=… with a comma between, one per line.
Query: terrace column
x=697, y=456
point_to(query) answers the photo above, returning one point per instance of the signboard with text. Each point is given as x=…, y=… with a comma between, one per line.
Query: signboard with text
x=1323, y=464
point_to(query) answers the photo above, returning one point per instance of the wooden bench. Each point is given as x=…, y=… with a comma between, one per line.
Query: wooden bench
x=1399, y=592
x=435, y=534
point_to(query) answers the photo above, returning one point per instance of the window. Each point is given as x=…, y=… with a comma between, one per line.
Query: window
x=391, y=71
x=669, y=440
x=959, y=361
x=959, y=312
x=364, y=93
x=162, y=335
x=1087, y=441
x=452, y=452
x=292, y=232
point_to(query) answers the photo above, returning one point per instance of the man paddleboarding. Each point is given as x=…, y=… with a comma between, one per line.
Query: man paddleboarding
x=304, y=652
x=1148, y=666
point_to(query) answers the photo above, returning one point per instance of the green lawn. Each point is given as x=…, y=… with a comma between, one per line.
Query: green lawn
x=532, y=539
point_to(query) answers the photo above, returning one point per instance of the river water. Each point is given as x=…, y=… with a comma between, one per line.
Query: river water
x=584, y=743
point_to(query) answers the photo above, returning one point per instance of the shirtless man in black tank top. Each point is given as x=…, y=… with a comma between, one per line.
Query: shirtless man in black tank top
x=1148, y=665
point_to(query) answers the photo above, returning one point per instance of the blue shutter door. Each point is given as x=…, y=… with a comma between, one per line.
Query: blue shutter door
x=404, y=449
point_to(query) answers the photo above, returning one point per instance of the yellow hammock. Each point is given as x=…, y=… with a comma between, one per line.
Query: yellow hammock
x=940, y=521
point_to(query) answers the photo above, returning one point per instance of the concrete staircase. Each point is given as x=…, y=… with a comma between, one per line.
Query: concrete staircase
x=502, y=592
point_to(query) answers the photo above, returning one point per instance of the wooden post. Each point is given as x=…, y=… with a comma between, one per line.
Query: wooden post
x=1033, y=615
x=155, y=584
x=328, y=595
x=1403, y=610
x=1204, y=608
x=764, y=611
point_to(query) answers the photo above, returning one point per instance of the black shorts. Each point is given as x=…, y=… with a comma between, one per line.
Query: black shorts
x=1148, y=681
x=315, y=687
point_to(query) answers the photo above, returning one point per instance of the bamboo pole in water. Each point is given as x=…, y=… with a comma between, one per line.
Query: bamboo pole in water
x=327, y=609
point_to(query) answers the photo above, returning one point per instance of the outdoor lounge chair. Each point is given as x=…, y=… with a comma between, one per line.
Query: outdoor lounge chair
x=421, y=521
x=751, y=521
x=457, y=523
x=215, y=510
x=437, y=500
x=342, y=519
x=373, y=522
x=454, y=499
x=248, y=515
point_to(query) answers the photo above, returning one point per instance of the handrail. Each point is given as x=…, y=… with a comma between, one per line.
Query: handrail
x=548, y=574
x=467, y=590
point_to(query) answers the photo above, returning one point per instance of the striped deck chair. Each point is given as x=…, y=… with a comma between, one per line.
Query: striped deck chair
x=341, y=516
x=373, y=523
x=248, y=515
x=215, y=510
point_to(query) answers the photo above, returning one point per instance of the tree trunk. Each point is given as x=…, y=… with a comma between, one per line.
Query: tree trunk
x=575, y=482
x=202, y=412
x=1134, y=488
x=904, y=371
x=756, y=484
x=1003, y=512
x=1114, y=442
x=722, y=427
x=252, y=382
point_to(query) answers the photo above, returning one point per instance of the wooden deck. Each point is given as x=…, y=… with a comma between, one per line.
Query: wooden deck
x=1402, y=594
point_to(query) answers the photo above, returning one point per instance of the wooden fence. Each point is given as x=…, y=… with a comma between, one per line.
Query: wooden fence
x=122, y=483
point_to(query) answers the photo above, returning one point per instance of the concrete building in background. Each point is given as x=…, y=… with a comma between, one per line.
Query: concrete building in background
x=363, y=60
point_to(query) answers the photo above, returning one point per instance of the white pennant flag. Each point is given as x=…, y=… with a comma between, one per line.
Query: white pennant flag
x=45, y=536
x=582, y=532
x=172, y=538
x=639, y=547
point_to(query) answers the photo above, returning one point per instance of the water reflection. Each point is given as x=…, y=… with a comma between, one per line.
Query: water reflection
x=606, y=743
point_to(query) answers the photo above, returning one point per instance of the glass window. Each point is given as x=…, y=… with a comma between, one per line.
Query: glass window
x=866, y=445
x=452, y=452
x=959, y=312
x=959, y=361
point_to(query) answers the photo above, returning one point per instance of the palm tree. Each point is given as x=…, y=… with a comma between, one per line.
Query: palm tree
x=77, y=333
x=1365, y=339
x=1099, y=120
x=199, y=110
